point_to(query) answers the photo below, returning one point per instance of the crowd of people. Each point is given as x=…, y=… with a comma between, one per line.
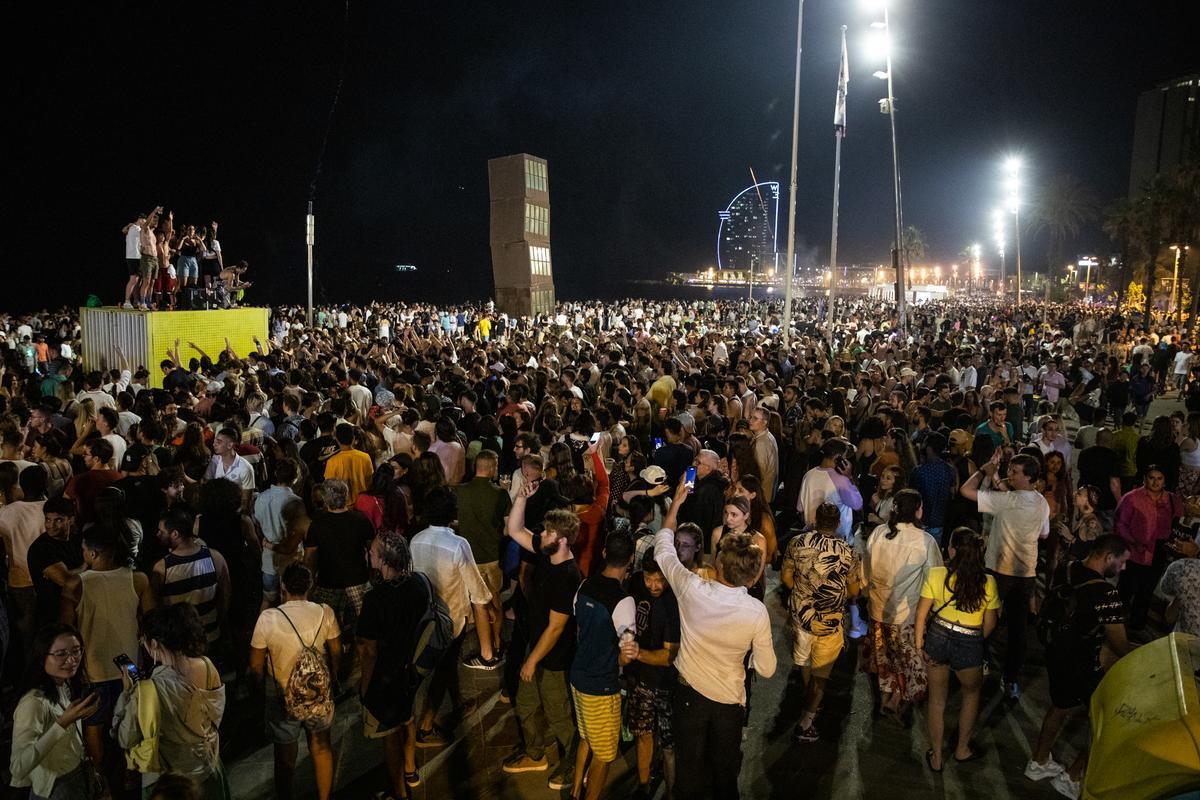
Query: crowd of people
x=165, y=262
x=598, y=506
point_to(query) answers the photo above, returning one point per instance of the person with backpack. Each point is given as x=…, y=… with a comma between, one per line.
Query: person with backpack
x=300, y=640
x=1082, y=611
x=394, y=615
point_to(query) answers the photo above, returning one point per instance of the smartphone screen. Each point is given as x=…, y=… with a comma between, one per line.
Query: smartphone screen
x=657, y=443
x=689, y=479
x=596, y=437
x=126, y=663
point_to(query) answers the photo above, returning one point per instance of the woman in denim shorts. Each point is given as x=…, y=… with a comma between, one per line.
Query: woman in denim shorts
x=965, y=606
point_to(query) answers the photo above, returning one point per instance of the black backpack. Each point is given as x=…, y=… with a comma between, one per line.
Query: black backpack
x=1056, y=624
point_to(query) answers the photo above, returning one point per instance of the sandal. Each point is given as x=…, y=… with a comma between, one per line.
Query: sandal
x=975, y=755
x=929, y=761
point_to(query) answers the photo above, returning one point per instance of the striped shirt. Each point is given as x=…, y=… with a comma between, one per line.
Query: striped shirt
x=193, y=579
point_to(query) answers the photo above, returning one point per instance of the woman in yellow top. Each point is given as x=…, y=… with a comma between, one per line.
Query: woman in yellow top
x=965, y=606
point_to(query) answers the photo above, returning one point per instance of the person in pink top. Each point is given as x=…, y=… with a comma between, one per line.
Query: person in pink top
x=450, y=451
x=1144, y=518
x=1052, y=382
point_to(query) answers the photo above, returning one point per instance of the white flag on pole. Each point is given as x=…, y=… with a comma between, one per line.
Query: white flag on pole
x=839, y=109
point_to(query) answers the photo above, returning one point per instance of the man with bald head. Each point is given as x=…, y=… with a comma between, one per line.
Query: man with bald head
x=705, y=505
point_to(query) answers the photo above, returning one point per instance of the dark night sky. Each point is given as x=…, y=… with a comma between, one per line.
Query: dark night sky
x=650, y=114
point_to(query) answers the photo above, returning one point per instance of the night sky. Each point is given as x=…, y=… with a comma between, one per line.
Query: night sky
x=650, y=114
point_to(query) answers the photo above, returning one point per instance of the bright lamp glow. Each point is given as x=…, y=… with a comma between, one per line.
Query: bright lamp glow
x=876, y=45
x=1013, y=165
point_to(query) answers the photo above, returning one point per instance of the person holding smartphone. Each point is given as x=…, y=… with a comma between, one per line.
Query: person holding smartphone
x=47, y=741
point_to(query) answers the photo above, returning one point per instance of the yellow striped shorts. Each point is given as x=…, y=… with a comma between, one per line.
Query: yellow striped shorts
x=598, y=718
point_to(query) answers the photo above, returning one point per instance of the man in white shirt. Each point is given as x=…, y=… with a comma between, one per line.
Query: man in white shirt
x=719, y=623
x=226, y=463
x=1020, y=518
x=133, y=255
x=360, y=396
x=1183, y=362
x=446, y=559
x=92, y=391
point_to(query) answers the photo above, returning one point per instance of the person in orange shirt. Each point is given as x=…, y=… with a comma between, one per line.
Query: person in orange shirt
x=350, y=465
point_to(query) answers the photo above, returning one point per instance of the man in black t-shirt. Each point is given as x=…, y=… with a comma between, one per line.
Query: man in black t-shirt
x=652, y=675
x=1083, y=611
x=542, y=697
x=334, y=550
x=387, y=634
x=55, y=559
x=317, y=451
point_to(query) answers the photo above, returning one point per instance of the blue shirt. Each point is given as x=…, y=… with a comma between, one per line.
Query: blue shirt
x=603, y=611
x=934, y=480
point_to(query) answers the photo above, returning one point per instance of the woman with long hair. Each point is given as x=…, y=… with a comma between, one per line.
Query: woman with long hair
x=382, y=502
x=47, y=735
x=891, y=481
x=895, y=559
x=628, y=461
x=1160, y=449
x=559, y=464
x=1189, y=457
x=192, y=453
x=737, y=521
x=965, y=604
x=48, y=451
x=191, y=701
x=85, y=425
x=1087, y=526
x=10, y=492
x=761, y=518
x=224, y=528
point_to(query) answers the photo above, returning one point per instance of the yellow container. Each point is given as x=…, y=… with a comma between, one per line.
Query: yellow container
x=1146, y=724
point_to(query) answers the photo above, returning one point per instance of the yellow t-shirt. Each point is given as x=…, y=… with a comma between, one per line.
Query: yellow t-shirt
x=935, y=588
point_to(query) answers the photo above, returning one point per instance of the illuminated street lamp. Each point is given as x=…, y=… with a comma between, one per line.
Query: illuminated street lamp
x=1013, y=169
x=998, y=236
x=888, y=106
x=1173, y=308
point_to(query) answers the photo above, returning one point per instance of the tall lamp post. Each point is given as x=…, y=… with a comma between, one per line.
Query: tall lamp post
x=1013, y=167
x=310, y=233
x=1177, y=310
x=998, y=234
x=790, y=271
x=888, y=106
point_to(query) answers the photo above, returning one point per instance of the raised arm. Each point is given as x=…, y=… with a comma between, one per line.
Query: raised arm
x=515, y=527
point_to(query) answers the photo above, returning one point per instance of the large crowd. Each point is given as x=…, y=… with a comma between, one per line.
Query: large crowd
x=592, y=505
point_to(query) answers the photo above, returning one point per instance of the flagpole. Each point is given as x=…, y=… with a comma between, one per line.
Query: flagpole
x=839, y=134
x=789, y=273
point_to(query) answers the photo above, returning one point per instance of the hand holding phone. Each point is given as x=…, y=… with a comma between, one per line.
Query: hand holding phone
x=126, y=664
x=689, y=479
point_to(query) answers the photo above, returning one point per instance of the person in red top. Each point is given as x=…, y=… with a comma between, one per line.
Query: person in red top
x=1144, y=518
x=84, y=487
x=589, y=493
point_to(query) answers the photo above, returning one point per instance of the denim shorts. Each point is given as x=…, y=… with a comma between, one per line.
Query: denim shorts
x=188, y=268
x=958, y=650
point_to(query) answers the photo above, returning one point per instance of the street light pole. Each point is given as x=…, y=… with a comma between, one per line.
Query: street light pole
x=310, y=232
x=1014, y=203
x=789, y=272
x=897, y=258
x=1174, y=284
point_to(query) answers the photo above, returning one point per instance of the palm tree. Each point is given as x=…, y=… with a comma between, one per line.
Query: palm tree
x=1061, y=208
x=1121, y=224
x=1152, y=211
x=915, y=246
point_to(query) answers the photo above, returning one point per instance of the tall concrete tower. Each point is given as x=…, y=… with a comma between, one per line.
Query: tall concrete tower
x=520, y=234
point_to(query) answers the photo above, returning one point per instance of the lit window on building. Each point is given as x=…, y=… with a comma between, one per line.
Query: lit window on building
x=539, y=260
x=537, y=220
x=535, y=175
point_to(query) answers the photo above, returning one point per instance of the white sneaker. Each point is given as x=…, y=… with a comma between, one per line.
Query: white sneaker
x=127, y=305
x=1039, y=772
x=1065, y=786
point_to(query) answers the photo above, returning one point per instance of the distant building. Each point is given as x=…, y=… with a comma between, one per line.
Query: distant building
x=520, y=234
x=747, y=236
x=1166, y=131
